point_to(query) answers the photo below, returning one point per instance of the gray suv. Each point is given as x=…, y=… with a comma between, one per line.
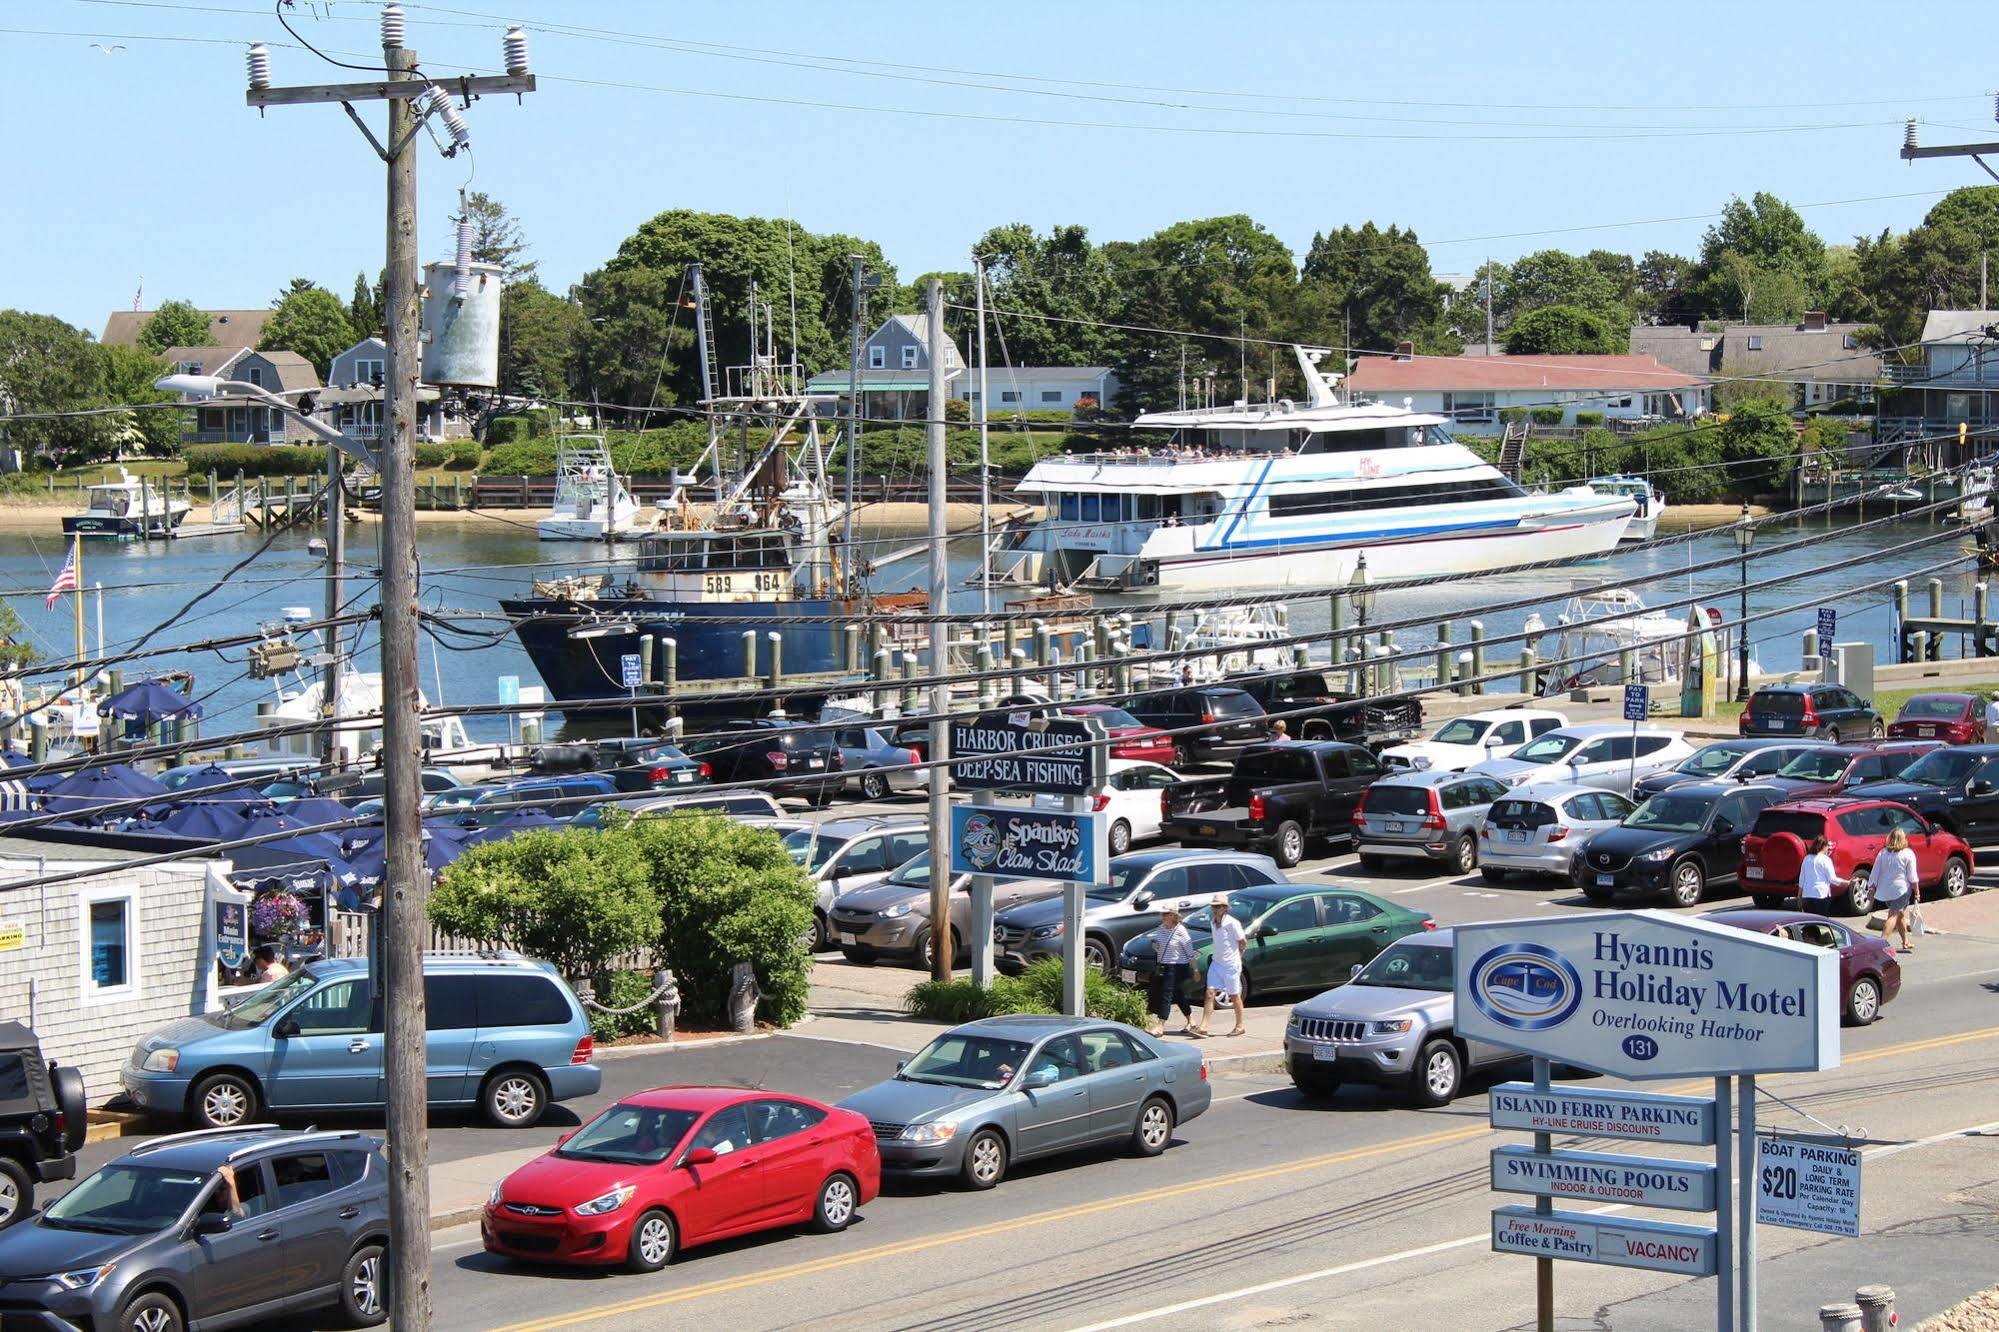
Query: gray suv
x=159, y=1239
x=1142, y=884
x=892, y=918
x=1391, y=1025
x=842, y=855
x=1432, y=816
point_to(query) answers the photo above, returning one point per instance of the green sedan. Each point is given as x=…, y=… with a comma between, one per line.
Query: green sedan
x=1299, y=938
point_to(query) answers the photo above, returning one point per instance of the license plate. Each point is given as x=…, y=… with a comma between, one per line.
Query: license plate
x=1926, y=730
x=846, y=938
x=1206, y=830
x=1516, y=835
x=814, y=763
x=1605, y=880
x=1326, y=1052
x=1392, y=827
x=1127, y=975
x=683, y=776
x=1752, y=871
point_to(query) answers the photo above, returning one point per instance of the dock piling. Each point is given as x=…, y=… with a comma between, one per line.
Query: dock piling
x=1477, y=657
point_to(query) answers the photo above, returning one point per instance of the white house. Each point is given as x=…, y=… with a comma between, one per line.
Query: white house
x=1040, y=388
x=1474, y=390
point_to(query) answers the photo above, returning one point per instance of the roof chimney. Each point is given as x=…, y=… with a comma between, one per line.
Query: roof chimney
x=1405, y=351
x=1814, y=321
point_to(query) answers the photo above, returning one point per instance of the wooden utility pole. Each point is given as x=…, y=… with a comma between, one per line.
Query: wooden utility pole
x=398, y=957
x=336, y=560
x=941, y=948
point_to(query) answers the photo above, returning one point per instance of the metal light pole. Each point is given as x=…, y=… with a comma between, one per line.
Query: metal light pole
x=1744, y=531
x=1362, y=593
x=941, y=948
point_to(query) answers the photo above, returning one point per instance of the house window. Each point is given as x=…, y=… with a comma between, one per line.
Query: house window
x=909, y=358
x=211, y=419
x=1755, y=343
x=369, y=372
x=1469, y=406
x=188, y=368
x=1009, y=395
x=108, y=942
x=877, y=358
x=1051, y=395
x=255, y=374
x=1848, y=341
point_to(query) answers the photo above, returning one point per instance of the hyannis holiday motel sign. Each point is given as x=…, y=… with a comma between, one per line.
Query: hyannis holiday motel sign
x=1646, y=994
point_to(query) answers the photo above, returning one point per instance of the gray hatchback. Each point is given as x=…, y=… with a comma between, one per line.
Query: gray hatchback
x=207, y=1229
x=1006, y=1089
x=1424, y=816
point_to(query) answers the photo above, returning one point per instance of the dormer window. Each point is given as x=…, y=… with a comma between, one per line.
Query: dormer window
x=909, y=358
x=1755, y=343
x=255, y=374
x=877, y=358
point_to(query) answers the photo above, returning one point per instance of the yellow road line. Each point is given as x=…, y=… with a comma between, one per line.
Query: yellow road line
x=726, y=1285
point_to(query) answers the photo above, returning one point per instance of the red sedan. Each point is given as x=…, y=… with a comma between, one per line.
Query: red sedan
x=679, y=1166
x=1132, y=738
x=1958, y=719
x=1869, y=974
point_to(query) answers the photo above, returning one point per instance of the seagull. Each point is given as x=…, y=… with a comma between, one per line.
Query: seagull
x=107, y=49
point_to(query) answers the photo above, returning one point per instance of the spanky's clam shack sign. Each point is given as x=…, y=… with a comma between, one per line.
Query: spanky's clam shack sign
x=1647, y=994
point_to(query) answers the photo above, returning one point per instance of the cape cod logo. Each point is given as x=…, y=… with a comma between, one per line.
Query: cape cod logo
x=1525, y=986
x=981, y=841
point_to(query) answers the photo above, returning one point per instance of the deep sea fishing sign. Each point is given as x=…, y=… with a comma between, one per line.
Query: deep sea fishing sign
x=1646, y=994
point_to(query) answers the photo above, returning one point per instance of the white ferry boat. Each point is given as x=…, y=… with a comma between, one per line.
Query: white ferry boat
x=1651, y=504
x=1284, y=494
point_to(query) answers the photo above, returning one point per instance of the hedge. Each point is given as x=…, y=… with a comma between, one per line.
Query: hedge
x=256, y=459
x=507, y=430
x=1053, y=416
x=1547, y=416
x=1036, y=990
x=1589, y=419
x=622, y=989
x=527, y=457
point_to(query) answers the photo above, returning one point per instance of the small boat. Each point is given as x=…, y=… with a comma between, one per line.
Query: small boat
x=128, y=509
x=1586, y=644
x=1237, y=641
x=1650, y=503
x=591, y=502
x=1976, y=506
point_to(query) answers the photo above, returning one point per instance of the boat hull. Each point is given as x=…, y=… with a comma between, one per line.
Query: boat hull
x=573, y=529
x=111, y=528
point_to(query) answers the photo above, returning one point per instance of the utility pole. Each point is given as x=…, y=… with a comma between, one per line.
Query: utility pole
x=1488, y=305
x=404, y=927
x=941, y=948
x=336, y=559
x=1977, y=152
x=854, y=410
x=985, y=453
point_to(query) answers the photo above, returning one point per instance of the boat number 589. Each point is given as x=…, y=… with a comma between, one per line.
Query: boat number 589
x=763, y=582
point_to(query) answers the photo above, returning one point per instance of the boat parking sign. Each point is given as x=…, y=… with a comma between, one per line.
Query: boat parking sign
x=1808, y=1186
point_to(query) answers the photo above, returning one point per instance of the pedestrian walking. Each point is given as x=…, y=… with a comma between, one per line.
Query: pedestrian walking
x=1280, y=731
x=1224, y=965
x=1173, y=952
x=1896, y=887
x=1992, y=719
x=1817, y=879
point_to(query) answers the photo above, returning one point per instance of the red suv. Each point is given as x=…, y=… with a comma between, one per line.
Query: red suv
x=1130, y=737
x=1774, y=851
x=1955, y=718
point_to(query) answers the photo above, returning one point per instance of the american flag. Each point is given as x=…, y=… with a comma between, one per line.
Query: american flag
x=65, y=581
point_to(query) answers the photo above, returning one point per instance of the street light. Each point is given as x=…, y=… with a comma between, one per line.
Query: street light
x=1744, y=531
x=210, y=386
x=1361, y=590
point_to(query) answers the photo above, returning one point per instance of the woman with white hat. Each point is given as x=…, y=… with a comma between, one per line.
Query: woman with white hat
x=1224, y=965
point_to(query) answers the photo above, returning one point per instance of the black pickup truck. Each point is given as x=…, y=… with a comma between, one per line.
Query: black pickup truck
x=1313, y=710
x=1279, y=797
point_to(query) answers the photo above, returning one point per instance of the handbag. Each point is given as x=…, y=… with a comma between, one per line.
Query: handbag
x=1915, y=918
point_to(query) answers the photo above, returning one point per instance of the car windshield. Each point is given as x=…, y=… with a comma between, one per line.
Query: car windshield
x=458, y=797
x=1531, y=813
x=1942, y=767
x=1671, y=813
x=1232, y=703
x=1409, y=966
x=1923, y=706
x=1114, y=717
x=1550, y=748
x=964, y=1059
x=1123, y=879
x=1276, y=765
x=913, y=873
x=287, y=790
x=630, y=1135
x=806, y=847
x=127, y=1200
x=1389, y=798
x=1711, y=759
x=1461, y=731
x=259, y=1006
x=1817, y=765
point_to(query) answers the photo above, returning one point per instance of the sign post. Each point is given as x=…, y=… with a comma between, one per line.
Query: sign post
x=1828, y=626
x=510, y=697
x=629, y=665
x=1637, y=707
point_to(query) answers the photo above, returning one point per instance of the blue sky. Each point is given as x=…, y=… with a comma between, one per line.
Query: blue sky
x=145, y=162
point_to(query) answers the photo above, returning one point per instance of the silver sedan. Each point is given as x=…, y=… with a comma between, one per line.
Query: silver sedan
x=1536, y=829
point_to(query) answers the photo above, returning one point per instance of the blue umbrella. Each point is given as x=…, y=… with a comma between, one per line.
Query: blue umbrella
x=147, y=702
x=261, y=822
x=521, y=820
x=439, y=850
x=213, y=819
x=197, y=784
x=84, y=792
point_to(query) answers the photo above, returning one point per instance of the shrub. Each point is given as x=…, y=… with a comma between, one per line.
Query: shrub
x=256, y=459
x=727, y=893
x=1037, y=990
x=567, y=895
x=957, y=409
x=622, y=989
x=1547, y=416
x=1513, y=415
x=1588, y=419
x=1050, y=416
x=462, y=453
x=521, y=458
x=507, y=430
x=431, y=455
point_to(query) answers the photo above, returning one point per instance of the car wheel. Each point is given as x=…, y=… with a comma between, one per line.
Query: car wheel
x=364, y=1287
x=860, y=957
x=222, y=1100
x=1491, y=875
x=1154, y=1128
x=17, y=1192
x=1440, y=1072
x=985, y=1160
x=1827, y=733
x=653, y=1242
x=513, y=1099
x=1182, y=756
x=822, y=936
x=1863, y=1001
x=1289, y=847
x=1860, y=892
x=1687, y=884
x=1097, y=954
x=1314, y=1084
x=1466, y=859
x=151, y=1312
x=838, y=1199
x=1877, y=730
x=926, y=949
x=874, y=786
x=1120, y=837
x=1956, y=879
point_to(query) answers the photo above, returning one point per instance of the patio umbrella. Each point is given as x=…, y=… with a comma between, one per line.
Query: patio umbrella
x=261, y=822
x=213, y=819
x=439, y=849
x=521, y=820
x=147, y=702
x=82, y=793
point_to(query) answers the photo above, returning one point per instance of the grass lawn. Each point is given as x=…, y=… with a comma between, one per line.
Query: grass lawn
x=1888, y=702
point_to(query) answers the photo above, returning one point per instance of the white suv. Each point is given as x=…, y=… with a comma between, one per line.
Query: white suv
x=1463, y=741
x=1607, y=755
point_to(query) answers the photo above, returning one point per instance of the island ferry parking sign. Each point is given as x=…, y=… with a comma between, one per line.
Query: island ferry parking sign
x=1646, y=994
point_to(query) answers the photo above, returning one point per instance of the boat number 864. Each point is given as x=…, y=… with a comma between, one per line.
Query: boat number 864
x=763, y=582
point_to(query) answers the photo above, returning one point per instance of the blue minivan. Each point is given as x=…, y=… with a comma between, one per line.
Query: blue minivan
x=505, y=1034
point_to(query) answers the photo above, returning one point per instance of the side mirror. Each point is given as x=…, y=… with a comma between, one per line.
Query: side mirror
x=1981, y=787
x=1353, y=971
x=1039, y=1078
x=700, y=1156
x=1492, y=740
x=564, y=1137
x=1264, y=932
x=1722, y=827
x=900, y=1064
x=1141, y=902
x=212, y=1223
x=286, y=1029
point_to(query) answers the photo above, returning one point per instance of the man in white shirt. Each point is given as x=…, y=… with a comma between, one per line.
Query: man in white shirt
x=1224, y=964
x=1992, y=719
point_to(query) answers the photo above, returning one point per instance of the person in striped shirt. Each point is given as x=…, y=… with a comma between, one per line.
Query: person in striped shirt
x=1173, y=951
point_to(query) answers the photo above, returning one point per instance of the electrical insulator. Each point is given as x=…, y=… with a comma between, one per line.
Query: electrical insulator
x=1995, y=106
x=464, y=259
x=1908, y=134
x=260, y=67
x=392, y=27
x=516, y=44
x=442, y=106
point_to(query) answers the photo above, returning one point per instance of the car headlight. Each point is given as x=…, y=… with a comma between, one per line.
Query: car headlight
x=83, y=1278
x=897, y=911
x=498, y=1195
x=162, y=1061
x=1420, y=763
x=1391, y=1026
x=1046, y=931
x=1663, y=853
x=609, y=1202
x=936, y=1130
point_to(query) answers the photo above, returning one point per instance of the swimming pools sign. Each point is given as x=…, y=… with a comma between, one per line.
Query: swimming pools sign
x=1646, y=994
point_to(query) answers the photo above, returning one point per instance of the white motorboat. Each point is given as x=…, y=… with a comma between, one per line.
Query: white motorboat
x=1288, y=494
x=1237, y=641
x=1645, y=523
x=591, y=502
x=129, y=509
x=1976, y=506
x=1585, y=646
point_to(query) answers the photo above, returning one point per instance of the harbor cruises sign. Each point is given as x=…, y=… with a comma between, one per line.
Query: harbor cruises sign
x=1017, y=751
x=1646, y=994
x=1014, y=842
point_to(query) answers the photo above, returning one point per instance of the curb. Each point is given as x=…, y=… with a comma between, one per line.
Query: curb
x=1255, y=1061
x=461, y=1216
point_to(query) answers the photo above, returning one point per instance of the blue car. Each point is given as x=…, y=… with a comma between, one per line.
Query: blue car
x=505, y=1035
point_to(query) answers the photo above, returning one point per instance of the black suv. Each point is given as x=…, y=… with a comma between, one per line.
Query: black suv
x=643, y=764
x=1230, y=719
x=43, y=1115
x=1821, y=711
x=208, y=1229
x=1676, y=844
x=795, y=759
x=1956, y=788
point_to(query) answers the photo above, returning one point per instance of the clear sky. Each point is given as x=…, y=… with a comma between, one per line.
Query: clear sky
x=919, y=125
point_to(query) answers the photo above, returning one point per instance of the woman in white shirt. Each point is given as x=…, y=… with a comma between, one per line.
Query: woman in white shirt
x=1896, y=887
x=1817, y=879
x=1173, y=959
x=1224, y=966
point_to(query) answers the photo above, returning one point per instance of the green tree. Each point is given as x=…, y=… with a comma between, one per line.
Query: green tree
x=569, y=896
x=293, y=288
x=1556, y=277
x=496, y=236
x=1759, y=447
x=1760, y=262
x=1379, y=283
x=1662, y=287
x=14, y=652
x=636, y=349
x=1062, y=278
x=174, y=324
x=129, y=373
x=364, y=308
x=48, y=366
x=542, y=338
x=1936, y=265
x=1565, y=330
x=312, y=323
